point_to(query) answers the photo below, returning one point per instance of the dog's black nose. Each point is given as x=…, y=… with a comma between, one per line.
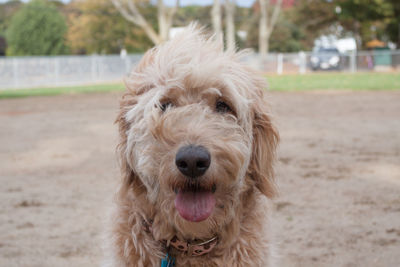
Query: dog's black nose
x=193, y=161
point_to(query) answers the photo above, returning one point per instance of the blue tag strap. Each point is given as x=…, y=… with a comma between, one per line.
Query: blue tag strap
x=168, y=261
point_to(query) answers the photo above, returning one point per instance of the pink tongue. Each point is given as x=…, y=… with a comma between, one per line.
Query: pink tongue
x=195, y=206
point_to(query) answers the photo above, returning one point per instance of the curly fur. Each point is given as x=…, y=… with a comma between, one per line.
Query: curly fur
x=192, y=72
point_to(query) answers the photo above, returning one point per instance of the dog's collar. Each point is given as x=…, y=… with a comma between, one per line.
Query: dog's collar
x=189, y=248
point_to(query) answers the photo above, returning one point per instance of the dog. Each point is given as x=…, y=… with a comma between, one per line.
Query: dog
x=197, y=148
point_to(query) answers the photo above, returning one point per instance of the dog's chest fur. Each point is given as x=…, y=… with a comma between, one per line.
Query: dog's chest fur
x=243, y=242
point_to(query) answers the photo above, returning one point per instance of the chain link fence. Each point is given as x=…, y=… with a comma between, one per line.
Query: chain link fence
x=309, y=62
x=30, y=72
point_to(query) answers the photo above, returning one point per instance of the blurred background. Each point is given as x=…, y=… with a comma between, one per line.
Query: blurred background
x=54, y=43
x=333, y=73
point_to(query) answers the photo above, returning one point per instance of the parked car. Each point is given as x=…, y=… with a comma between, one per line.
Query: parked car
x=325, y=59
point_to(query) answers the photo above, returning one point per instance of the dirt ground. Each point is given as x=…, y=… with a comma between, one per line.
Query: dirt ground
x=338, y=175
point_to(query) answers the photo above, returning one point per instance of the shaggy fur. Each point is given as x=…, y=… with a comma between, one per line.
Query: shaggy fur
x=171, y=102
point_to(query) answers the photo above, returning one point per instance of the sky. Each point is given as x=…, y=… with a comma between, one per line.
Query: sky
x=245, y=3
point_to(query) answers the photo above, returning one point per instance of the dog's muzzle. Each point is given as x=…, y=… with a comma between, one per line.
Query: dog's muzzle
x=195, y=200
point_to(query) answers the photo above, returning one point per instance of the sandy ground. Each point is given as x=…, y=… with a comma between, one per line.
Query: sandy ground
x=338, y=174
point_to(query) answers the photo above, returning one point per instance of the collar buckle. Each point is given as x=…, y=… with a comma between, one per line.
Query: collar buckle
x=199, y=249
x=185, y=247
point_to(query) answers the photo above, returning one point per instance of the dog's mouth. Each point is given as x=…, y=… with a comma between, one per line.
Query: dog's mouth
x=194, y=202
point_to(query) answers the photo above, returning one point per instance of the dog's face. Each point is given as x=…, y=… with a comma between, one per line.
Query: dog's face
x=195, y=134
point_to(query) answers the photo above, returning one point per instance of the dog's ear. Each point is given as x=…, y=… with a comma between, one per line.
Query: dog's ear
x=129, y=178
x=265, y=140
x=135, y=86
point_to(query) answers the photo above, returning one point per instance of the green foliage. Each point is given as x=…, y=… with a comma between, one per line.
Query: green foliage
x=95, y=26
x=287, y=36
x=3, y=46
x=313, y=18
x=186, y=14
x=393, y=24
x=7, y=10
x=37, y=28
x=367, y=19
x=363, y=19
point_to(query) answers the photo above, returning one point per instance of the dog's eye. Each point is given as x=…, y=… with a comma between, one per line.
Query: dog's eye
x=223, y=107
x=165, y=105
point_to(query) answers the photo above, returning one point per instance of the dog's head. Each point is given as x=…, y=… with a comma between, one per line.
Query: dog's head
x=195, y=132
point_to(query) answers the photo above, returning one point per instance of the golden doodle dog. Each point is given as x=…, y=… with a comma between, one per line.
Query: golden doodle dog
x=197, y=147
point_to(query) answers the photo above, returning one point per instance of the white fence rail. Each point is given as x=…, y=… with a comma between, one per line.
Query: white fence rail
x=29, y=72
x=305, y=62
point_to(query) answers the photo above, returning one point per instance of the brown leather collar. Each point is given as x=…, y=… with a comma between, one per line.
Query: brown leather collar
x=190, y=248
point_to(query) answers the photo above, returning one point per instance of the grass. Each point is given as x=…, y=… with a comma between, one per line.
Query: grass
x=13, y=93
x=335, y=81
x=292, y=82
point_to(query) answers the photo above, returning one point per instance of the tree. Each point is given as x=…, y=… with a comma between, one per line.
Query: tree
x=230, y=24
x=187, y=14
x=314, y=18
x=216, y=19
x=268, y=20
x=87, y=20
x=393, y=26
x=287, y=36
x=130, y=12
x=367, y=19
x=3, y=46
x=37, y=28
x=7, y=10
